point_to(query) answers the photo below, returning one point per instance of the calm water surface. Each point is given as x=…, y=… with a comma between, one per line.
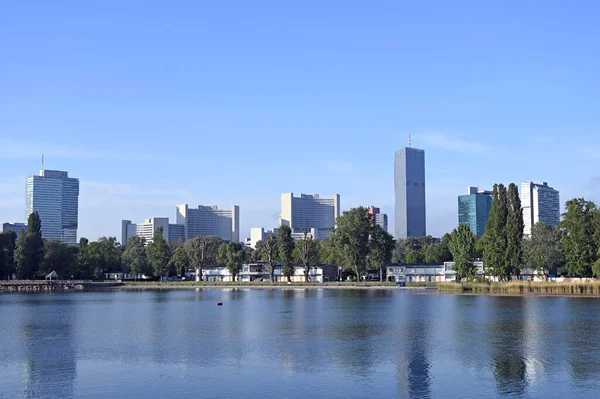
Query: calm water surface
x=297, y=343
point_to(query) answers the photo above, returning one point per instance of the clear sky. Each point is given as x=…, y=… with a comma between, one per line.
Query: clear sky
x=155, y=103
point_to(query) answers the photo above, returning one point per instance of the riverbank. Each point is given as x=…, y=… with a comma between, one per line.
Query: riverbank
x=266, y=285
x=571, y=288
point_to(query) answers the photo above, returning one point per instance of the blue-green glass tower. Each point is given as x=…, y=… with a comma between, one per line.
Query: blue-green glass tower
x=474, y=209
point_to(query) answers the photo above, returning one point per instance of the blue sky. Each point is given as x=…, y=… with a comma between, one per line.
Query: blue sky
x=151, y=104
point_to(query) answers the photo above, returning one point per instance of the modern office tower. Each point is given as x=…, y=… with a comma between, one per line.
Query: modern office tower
x=210, y=221
x=409, y=188
x=171, y=232
x=474, y=209
x=55, y=197
x=541, y=203
x=14, y=227
x=378, y=218
x=308, y=212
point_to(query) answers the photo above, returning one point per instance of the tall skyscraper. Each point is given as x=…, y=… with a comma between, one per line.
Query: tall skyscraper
x=309, y=212
x=541, y=203
x=55, y=197
x=210, y=221
x=409, y=188
x=474, y=209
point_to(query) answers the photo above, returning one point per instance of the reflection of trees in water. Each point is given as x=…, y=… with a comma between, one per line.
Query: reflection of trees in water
x=506, y=334
x=583, y=339
x=48, y=341
x=412, y=363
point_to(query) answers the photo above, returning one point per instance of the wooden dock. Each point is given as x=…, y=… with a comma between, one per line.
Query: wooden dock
x=52, y=285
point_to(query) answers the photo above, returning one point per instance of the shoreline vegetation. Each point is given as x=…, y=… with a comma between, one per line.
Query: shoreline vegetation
x=523, y=288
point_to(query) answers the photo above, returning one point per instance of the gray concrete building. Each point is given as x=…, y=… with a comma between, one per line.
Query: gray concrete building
x=210, y=221
x=309, y=212
x=171, y=232
x=409, y=189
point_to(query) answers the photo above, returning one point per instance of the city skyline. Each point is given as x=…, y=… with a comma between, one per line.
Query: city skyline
x=148, y=117
x=172, y=230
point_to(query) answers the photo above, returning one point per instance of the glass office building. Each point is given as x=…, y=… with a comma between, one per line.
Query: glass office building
x=55, y=197
x=474, y=209
x=409, y=189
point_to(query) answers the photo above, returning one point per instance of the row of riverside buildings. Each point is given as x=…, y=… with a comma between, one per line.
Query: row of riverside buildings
x=55, y=195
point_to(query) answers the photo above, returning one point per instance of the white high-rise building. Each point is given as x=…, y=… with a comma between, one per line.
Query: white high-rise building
x=541, y=203
x=55, y=197
x=171, y=232
x=308, y=212
x=210, y=221
x=259, y=234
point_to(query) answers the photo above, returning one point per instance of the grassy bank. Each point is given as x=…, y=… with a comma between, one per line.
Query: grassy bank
x=524, y=287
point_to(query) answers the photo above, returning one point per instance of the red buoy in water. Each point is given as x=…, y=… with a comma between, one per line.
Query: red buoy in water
x=219, y=303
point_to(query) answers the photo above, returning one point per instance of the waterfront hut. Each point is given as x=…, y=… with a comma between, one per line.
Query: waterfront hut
x=52, y=276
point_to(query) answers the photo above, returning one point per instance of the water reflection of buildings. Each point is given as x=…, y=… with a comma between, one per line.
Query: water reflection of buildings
x=48, y=347
x=412, y=363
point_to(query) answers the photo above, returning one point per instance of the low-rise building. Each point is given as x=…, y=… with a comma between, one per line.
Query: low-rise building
x=450, y=273
x=416, y=272
x=259, y=271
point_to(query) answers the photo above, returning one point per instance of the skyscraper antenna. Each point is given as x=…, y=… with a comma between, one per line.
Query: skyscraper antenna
x=42, y=161
x=409, y=140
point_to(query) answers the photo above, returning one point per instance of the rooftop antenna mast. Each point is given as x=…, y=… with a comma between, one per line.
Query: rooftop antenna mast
x=42, y=161
x=409, y=140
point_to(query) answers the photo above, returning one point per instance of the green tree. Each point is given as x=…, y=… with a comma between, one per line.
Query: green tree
x=415, y=257
x=494, y=253
x=514, y=231
x=543, y=250
x=269, y=251
x=307, y=253
x=58, y=257
x=232, y=255
x=438, y=252
x=105, y=254
x=285, y=247
x=180, y=260
x=159, y=254
x=578, y=237
x=462, y=247
x=84, y=264
x=411, y=244
x=354, y=228
x=134, y=258
x=202, y=251
x=21, y=256
x=31, y=249
x=381, y=248
x=7, y=253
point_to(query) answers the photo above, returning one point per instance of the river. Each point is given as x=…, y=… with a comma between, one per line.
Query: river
x=297, y=344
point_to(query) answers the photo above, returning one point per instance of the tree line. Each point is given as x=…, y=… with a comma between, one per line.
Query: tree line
x=572, y=247
x=356, y=244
